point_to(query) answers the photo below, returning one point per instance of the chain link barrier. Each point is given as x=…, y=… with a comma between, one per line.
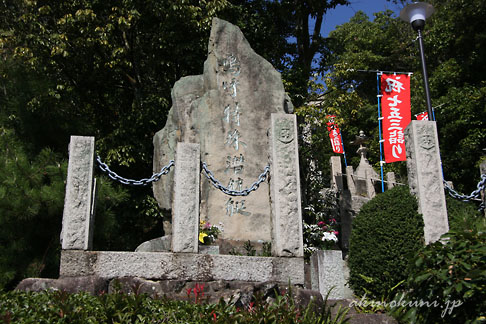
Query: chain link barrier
x=474, y=195
x=263, y=176
x=142, y=182
x=230, y=192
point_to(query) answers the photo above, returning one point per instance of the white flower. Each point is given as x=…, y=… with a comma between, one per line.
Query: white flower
x=328, y=236
x=220, y=227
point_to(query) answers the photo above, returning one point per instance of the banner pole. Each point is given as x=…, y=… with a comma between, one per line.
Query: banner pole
x=378, y=96
x=344, y=152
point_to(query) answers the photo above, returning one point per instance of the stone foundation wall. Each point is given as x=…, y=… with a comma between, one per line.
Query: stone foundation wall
x=181, y=266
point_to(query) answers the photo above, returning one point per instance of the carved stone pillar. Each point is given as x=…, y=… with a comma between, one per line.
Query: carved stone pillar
x=78, y=215
x=425, y=177
x=285, y=187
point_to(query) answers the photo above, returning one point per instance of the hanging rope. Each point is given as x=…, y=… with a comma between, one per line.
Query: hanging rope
x=231, y=192
x=131, y=182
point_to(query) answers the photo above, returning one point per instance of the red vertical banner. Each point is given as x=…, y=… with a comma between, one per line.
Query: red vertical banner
x=395, y=110
x=334, y=135
x=422, y=116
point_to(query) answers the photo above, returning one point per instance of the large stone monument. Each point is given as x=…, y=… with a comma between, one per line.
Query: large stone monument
x=227, y=128
x=228, y=111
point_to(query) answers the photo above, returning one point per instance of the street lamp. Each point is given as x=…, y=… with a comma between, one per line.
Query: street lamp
x=415, y=14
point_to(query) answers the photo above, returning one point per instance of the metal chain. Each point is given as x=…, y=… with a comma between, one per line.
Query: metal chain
x=474, y=195
x=230, y=192
x=130, y=182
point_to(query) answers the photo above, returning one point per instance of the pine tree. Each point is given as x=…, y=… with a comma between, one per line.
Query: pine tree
x=31, y=207
x=31, y=200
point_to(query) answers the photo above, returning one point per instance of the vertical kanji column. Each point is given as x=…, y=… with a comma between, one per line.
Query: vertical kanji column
x=285, y=187
x=185, y=207
x=78, y=216
x=425, y=177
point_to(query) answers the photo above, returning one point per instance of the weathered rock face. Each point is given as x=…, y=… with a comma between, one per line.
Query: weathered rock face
x=238, y=293
x=91, y=284
x=159, y=244
x=227, y=111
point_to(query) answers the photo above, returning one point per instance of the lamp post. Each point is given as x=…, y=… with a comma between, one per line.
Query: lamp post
x=416, y=13
x=422, y=145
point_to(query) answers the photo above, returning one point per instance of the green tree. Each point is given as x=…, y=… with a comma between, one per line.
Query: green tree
x=106, y=68
x=456, y=48
x=310, y=45
x=31, y=207
x=360, y=44
x=31, y=202
x=454, y=61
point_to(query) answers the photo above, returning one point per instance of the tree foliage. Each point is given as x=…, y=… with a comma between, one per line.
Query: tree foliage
x=454, y=47
x=103, y=68
x=349, y=94
x=30, y=200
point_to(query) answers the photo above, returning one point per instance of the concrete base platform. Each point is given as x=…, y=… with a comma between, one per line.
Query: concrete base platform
x=181, y=266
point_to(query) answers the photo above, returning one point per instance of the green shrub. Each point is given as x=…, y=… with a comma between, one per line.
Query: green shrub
x=453, y=275
x=387, y=230
x=61, y=307
x=464, y=216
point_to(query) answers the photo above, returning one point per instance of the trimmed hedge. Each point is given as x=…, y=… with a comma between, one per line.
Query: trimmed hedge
x=386, y=233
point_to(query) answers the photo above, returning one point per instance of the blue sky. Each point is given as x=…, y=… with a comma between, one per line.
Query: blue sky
x=342, y=14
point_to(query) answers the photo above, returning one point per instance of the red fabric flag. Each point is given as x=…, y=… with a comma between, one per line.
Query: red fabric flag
x=395, y=110
x=422, y=116
x=334, y=135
